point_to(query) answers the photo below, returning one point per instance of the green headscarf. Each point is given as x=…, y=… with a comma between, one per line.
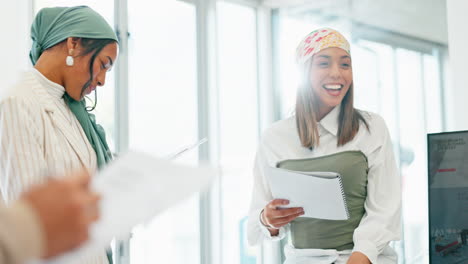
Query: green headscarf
x=54, y=25
x=94, y=132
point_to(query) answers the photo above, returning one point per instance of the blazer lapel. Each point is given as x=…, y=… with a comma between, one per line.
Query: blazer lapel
x=62, y=123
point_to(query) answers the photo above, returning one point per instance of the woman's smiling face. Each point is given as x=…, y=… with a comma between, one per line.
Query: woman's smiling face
x=331, y=76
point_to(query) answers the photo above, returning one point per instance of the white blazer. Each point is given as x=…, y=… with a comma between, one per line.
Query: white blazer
x=40, y=138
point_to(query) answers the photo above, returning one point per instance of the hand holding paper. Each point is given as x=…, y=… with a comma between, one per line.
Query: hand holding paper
x=275, y=217
x=135, y=188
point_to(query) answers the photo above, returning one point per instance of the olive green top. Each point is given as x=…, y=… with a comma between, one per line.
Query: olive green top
x=332, y=234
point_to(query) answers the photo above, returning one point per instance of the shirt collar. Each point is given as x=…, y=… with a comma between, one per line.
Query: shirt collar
x=330, y=121
x=55, y=90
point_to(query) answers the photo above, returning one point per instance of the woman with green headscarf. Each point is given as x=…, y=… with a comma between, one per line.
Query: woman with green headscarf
x=45, y=128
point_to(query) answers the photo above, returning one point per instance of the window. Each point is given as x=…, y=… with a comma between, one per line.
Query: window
x=238, y=125
x=163, y=117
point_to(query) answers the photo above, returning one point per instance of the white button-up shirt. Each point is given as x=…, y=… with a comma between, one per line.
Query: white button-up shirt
x=381, y=222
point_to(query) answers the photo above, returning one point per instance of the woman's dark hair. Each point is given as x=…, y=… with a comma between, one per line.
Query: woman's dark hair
x=93, y=46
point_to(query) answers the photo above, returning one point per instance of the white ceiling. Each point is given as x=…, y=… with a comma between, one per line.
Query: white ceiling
x=425, y=19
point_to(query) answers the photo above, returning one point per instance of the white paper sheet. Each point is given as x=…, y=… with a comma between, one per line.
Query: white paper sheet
x=134, y=189
x=185, y=149
x=319, y=193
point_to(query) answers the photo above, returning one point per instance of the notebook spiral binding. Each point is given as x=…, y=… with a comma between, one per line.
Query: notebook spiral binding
x=344, y=197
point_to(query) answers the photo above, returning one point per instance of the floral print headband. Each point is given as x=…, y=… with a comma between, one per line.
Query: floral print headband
x=319, y=40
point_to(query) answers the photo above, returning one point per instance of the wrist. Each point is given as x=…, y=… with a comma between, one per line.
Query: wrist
x=358, y=257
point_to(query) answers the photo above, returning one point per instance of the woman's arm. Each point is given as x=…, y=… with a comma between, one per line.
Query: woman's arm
x=48, y=220
x=261, y=196
x=381, y=222
x=21, y=155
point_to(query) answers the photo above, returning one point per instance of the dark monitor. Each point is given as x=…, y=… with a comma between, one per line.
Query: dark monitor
x=448, y=197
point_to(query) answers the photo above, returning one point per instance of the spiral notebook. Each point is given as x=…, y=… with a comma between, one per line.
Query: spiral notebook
x=321, y=194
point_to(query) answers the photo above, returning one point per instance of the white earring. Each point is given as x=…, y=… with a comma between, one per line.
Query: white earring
x=69, y=60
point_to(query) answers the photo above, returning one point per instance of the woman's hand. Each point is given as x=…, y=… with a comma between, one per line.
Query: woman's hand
x=66, y=209
x=358, y=258
x=274, y=217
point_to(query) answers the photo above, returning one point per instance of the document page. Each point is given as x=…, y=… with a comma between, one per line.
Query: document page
x=320, y=194
x=135, y=188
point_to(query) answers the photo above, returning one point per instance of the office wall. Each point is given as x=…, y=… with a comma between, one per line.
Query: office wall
x=457, y=91
x=14, y=42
